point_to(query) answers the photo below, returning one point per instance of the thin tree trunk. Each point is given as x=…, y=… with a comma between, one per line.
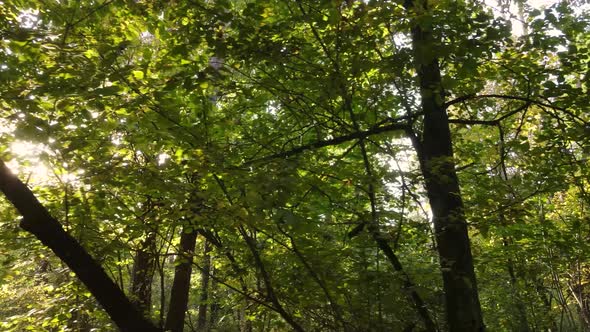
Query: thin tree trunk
x=243, y=321
x=578, y=296
x=161, y=266
x=181, y=284
x=79, y=321
x=435, y=153
x=143, y=274
x=202, y=316
x=384, y=246
x=38, y=221
x=374, y=227
x=251, y=243
x=213, y=238
x=521, y=315
x=270, y=293
x=214, y=305
x=336, y=310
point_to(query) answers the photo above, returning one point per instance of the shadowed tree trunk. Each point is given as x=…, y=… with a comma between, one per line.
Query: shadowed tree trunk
x=435, y=153
x=214, y=306
x=202, y=318
x=38, y=221
x=270, y=292
x=181, y=283
x=143, y=274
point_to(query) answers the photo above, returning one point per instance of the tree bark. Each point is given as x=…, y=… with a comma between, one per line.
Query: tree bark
x=520, y=314
x=143, y=274
x=202, y=316
x=181, y=283
x=435, y=153
x=38, y=221
x=214, y=306
x=270, y=292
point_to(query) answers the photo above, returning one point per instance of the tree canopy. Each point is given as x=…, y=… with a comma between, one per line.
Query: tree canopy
x=295, y=165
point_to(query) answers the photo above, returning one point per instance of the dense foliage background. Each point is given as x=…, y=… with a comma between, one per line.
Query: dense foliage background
x=271, y=152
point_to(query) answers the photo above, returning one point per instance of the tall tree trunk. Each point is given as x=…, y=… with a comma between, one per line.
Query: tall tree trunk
x=214, y=306
x=181, y=283
x=520, y=314
x=270, y=292
x=38, y=221
x=243, y=321
x=435, y=153
x=213, y=238
x=202, y=317
x=143, y=274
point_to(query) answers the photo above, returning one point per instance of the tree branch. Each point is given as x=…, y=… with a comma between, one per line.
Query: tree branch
x=473, y=96
x=494, y=122
x=331, y=142
x=525, y=99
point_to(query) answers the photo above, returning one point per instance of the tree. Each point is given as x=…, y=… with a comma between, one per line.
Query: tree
x=435, y=152
x=48, y=230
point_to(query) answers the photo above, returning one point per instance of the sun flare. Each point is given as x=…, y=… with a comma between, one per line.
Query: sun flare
x=28, y=161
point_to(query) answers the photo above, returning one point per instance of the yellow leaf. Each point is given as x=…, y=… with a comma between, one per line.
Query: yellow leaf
x=138, y=74
x=91, y=54
x=267, y=12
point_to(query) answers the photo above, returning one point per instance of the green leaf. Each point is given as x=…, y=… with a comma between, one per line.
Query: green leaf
x=138, y=74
